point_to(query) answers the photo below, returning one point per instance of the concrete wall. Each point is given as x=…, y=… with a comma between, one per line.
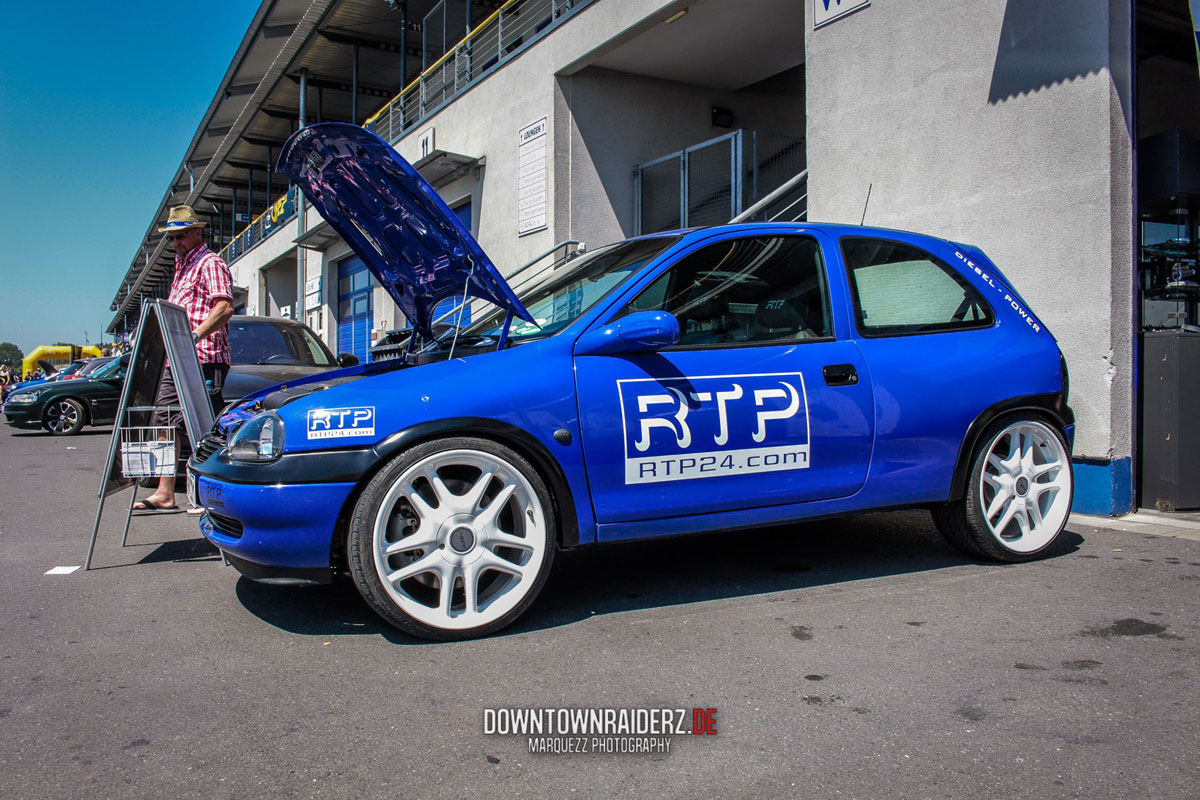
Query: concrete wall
x=608, y=122
x=279, y=283
x=485, y=122
x=1005, y=125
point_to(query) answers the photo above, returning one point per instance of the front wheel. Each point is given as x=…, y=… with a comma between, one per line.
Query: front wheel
x=64, y=417
x=1019, y=493
x=453, y=539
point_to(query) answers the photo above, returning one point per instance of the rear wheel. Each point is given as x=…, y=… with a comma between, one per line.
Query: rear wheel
x=1019, y=493
x=453, y=539
x=64, y=417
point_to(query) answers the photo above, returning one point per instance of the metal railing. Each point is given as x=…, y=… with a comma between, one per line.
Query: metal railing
x=570, y=249
x=508, y=30
x=262, y=227
x=788, y=203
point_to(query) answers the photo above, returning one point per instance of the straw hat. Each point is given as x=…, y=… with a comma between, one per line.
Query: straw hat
x=181, y=218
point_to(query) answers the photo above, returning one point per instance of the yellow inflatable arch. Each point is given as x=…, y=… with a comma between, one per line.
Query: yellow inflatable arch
x=56, y=354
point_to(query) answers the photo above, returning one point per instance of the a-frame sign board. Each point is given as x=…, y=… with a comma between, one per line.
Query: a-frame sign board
x=163, y=336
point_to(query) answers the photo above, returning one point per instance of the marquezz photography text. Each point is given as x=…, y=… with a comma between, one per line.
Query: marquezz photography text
x=599, y=730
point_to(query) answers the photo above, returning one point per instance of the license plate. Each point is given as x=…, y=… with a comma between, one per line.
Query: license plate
x=193, y=495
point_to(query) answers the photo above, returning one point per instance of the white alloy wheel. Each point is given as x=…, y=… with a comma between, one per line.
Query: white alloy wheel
x=1025, y=486
x=459, y=542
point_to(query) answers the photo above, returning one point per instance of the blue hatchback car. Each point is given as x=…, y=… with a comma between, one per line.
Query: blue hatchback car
x=729, y=377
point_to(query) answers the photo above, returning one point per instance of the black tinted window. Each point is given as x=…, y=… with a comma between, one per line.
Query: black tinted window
x=899, y=289
x=265, y=343
x=760, y=289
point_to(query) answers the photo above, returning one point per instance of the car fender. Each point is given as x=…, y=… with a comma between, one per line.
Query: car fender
x=1052, y=406
x=84, y=403
x=505, y=433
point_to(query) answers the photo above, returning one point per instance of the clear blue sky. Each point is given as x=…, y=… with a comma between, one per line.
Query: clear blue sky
x=98, y=102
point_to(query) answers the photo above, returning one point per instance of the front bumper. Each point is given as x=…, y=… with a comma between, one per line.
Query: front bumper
x=278, y=533
x=23, y=416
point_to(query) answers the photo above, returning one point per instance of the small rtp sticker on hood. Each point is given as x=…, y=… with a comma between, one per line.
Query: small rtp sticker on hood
x=335, y=423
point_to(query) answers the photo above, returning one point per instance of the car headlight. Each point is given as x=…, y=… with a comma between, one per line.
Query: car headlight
x=260, y=439
x=23, y=399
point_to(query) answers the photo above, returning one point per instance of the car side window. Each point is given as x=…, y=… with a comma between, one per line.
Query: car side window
x=899, y=289
x=744, y=291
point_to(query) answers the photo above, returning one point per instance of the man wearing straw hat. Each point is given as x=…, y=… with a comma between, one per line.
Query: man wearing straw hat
x=204, y=287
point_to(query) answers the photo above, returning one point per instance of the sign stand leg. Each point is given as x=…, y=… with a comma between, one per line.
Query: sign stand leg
x=129, y=514
x=87, y=564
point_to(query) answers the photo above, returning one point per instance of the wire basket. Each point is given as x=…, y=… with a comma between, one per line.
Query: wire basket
x=147, y=451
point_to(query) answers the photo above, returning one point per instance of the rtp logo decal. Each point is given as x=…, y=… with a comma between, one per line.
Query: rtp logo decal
x=334, y=423
x=713, y=426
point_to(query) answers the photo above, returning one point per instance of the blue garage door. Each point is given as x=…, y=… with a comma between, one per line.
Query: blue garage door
x=355, y=315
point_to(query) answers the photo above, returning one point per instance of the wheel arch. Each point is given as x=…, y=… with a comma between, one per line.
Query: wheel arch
x=83, y=404
x=1051, y=407
x=500, y=432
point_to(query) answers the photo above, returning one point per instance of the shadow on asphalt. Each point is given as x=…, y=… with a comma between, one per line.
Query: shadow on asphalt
x=667, y=572
x=48, y=435
x=182, y=550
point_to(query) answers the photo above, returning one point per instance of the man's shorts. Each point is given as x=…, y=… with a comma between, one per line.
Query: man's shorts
x=168, y=395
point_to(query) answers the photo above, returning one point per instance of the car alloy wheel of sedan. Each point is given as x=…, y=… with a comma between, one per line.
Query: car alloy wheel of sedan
x=453, y=540
x=64, y=417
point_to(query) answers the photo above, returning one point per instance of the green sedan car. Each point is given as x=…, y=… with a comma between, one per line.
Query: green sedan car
x=63, y=408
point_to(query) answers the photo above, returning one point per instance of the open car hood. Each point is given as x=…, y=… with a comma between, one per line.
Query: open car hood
x=408, y=237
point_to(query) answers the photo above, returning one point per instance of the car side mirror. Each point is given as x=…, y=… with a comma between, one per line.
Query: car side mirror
x=347, y=360
x=642, y=332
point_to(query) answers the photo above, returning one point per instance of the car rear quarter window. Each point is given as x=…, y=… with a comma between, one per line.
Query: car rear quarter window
x=899, y=290
x=750, y=290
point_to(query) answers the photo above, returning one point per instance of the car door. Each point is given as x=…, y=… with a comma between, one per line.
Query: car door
x=761, y=403
x=937, y=357
x=107, y=396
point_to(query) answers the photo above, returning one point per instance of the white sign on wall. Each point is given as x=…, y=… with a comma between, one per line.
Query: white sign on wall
x=312, y=285
x=425, y=142
x=828, y=10
x=312, y=301
x=531, y=177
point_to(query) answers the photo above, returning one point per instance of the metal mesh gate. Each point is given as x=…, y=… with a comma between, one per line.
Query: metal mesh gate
x=659, y=189
x=711, y=180
x=710, y=183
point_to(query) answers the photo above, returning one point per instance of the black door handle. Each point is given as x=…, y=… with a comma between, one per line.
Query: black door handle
x=840, y=375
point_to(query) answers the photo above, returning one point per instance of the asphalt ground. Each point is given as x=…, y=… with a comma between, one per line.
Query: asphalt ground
x=853, y=658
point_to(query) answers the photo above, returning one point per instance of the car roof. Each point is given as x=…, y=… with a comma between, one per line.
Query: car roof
x=832, y=229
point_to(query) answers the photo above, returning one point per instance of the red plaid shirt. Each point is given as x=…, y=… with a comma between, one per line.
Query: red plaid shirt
x=201, y=279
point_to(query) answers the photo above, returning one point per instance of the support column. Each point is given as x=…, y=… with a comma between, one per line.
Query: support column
x=301, y=253
x=354, y=89
x=403, y=45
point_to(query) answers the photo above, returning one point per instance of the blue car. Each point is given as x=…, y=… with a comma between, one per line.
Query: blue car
x=722, y=378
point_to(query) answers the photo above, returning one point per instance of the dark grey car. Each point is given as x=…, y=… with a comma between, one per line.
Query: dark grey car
x=267, y=350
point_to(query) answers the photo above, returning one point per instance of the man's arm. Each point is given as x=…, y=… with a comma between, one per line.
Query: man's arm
x=222, y=311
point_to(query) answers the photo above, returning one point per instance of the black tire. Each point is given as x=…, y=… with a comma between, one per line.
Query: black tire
x=1042, y=505
x=493, y=534
x=64, y=417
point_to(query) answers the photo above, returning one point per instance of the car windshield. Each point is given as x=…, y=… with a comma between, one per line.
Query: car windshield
x=263, y=342
x=561, y=301
x=113, y=368
x=70, y=369
x=90, y=367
